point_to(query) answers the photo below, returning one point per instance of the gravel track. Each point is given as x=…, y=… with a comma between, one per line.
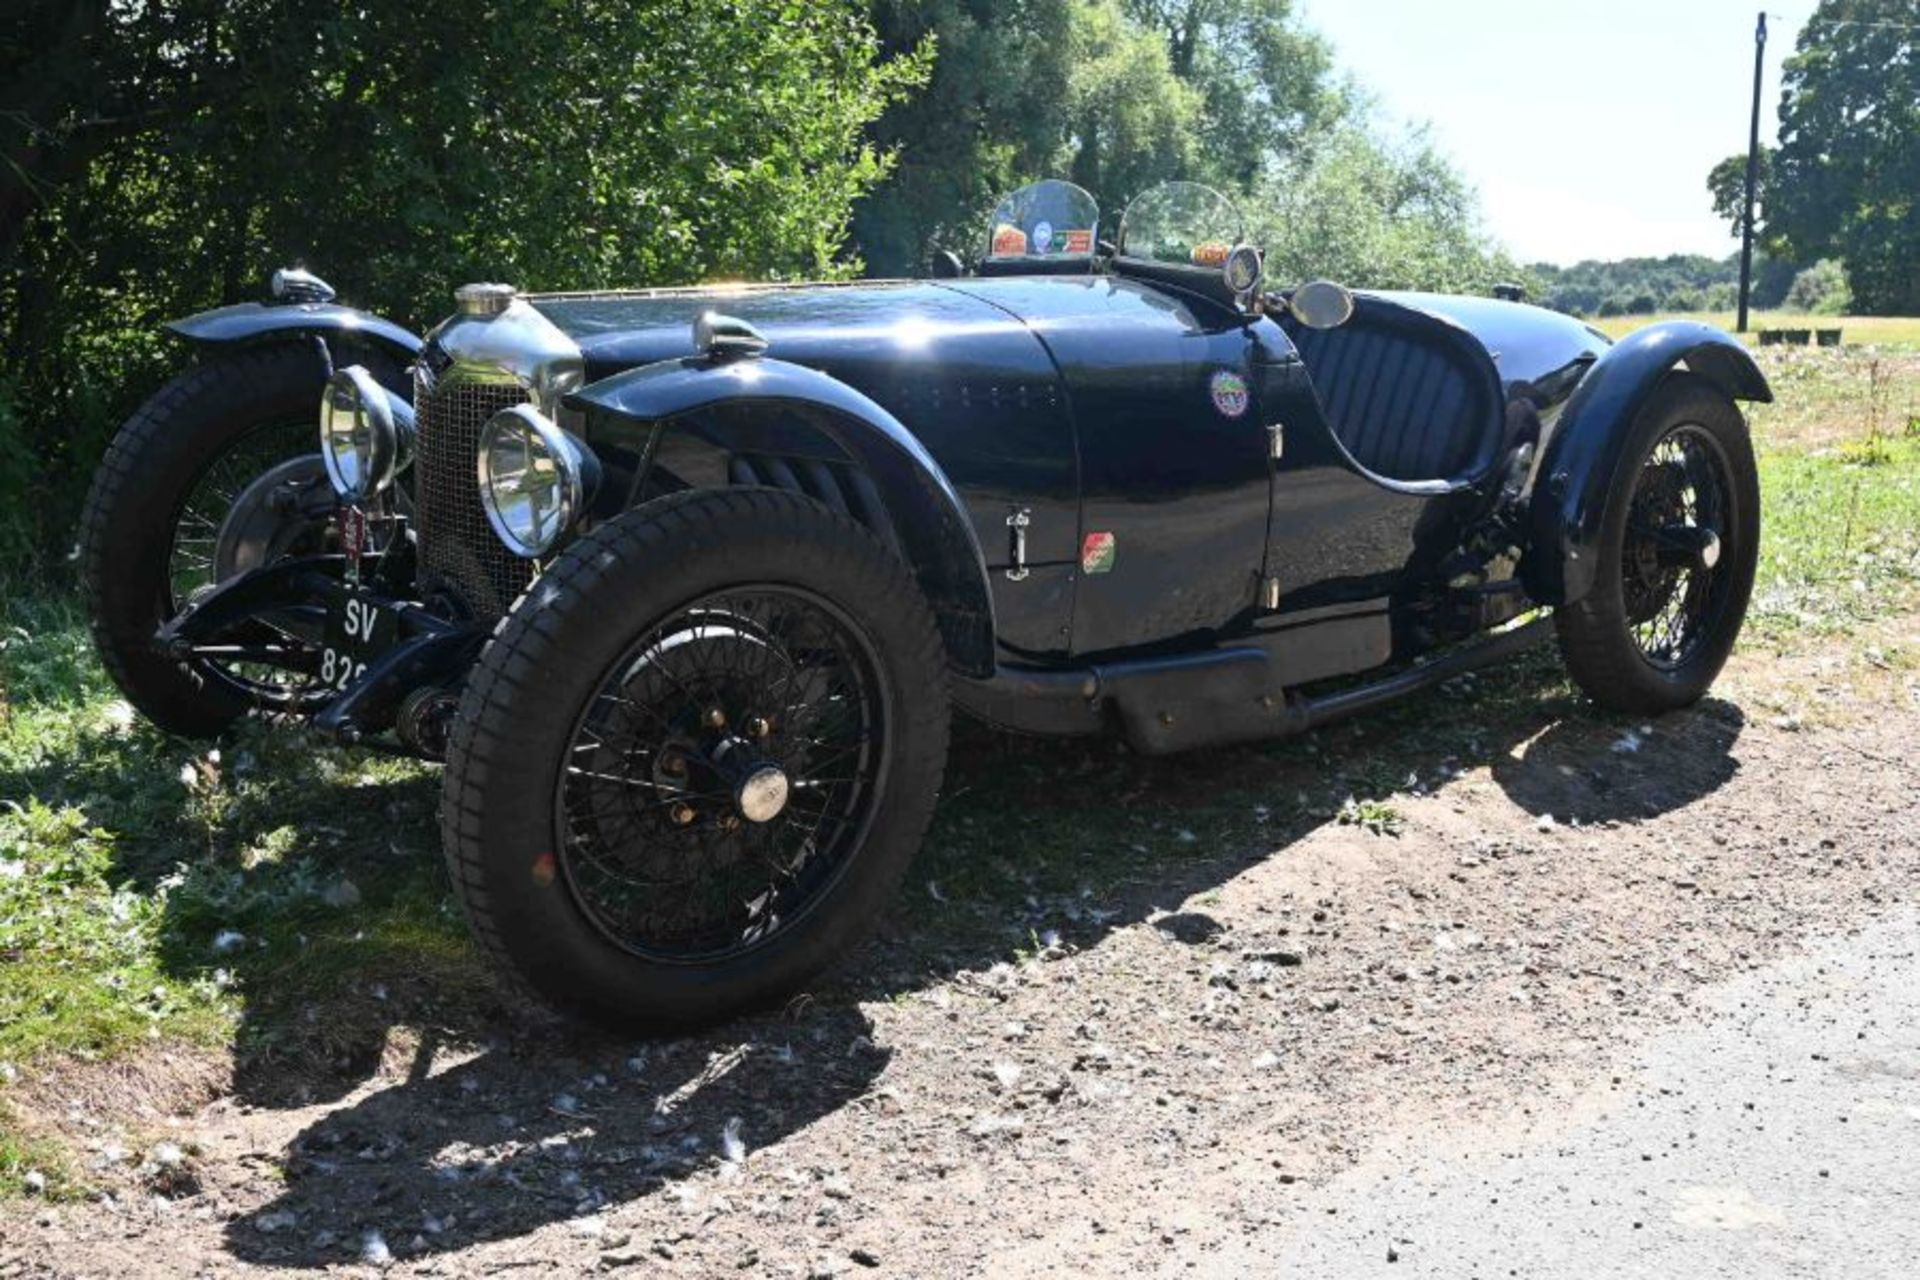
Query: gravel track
x=1281, y=1059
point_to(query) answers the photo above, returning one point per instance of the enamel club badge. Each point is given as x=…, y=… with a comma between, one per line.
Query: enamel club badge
x=1229, y=391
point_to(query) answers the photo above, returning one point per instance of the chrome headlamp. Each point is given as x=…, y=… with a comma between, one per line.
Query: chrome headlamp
x=366, y=434
x=535, y=479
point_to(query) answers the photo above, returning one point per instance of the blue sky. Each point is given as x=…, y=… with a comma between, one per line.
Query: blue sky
x=1588, y=127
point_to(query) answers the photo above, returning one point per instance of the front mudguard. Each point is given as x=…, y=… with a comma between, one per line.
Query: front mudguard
x=1585, y=447
x=926, y=513
x=253, y=322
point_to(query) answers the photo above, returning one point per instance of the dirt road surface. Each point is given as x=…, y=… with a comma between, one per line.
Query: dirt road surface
x=1613, y=1001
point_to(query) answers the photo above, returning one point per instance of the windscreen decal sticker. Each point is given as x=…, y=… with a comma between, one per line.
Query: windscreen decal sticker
x=1211, y=253
x=1229, y=391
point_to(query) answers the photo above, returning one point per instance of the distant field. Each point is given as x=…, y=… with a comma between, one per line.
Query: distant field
x=1891, y=331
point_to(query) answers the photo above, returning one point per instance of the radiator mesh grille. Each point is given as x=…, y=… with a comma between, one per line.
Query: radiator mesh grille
x=458, y=549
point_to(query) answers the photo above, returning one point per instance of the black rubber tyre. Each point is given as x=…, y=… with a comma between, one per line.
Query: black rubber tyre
x=150, y=470
x=1598, y=637
x=510, y=834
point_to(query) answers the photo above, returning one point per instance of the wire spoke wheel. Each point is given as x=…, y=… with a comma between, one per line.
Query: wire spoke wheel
x=1675, y=579
x=1673, y=560
x=692, y=766
x=196, y=526
x=723, y=774
x=193, y=557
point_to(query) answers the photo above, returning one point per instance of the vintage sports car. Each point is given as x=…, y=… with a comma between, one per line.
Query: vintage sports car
x=681, y=584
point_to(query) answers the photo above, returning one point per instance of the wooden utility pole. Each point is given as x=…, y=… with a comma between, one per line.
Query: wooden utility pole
x=1753, y=172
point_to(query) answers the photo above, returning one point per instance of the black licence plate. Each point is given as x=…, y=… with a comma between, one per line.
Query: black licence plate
x=359, y=630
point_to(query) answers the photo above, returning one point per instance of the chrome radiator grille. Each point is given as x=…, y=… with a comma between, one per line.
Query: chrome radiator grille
x=457, y=547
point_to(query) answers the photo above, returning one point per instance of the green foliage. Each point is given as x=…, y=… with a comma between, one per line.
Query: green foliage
x=1843, y=536
x=16, y=474
x=1377, y=817
x=1843, y=180
x=161, y=156
x=1116, y=95
x=1821, y=289
x=1727, y=184
x=1264, y=82
x=154, y=890
x=1133, y=121
x=1388, y=214
x=82, y=976
x=994, y=109
x=1644, y=286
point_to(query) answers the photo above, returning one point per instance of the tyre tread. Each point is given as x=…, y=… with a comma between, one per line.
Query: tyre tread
x=525, y=641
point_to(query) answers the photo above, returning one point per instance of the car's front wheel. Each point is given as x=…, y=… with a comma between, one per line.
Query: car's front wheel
x=692, y=765
x=1679, y=544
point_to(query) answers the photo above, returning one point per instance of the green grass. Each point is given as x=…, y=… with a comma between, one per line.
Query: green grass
x=1841, y=539
x=1887, y=331
x=25, y=1158
x=130, y=861
x=154, y=889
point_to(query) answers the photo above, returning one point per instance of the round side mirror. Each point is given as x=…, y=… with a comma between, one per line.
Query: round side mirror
x=1321, y=304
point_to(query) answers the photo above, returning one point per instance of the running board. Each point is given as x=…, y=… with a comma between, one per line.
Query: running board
x=1208, y=699
x=1470, y=657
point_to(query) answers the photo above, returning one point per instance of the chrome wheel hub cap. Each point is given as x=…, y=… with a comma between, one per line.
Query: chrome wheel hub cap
x=763, y=794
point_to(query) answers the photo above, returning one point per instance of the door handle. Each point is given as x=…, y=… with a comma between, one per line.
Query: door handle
x=1017, y=524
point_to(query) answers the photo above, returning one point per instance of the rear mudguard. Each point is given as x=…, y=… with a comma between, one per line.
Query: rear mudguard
x=923, y=508
x=1583, y=452
x=249, y=322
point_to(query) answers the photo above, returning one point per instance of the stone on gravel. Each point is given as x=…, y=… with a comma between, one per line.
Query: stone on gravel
x=988, y=1126
x=374, y=1251
x=732, y=1149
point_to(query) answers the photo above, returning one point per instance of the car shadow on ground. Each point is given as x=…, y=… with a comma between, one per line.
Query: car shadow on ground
x=1035, y=838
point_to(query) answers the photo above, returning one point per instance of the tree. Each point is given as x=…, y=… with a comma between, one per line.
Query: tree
x=1264, y=81
x=992, y=113
x=1115, y=94
x=1820, y=289
x=1132, y=122
x=1845, y=178
x=1677, y=282
x=1385, y=214
x=160, y=156
x=1727, y=184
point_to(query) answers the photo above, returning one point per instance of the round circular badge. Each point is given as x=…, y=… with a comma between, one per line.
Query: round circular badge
x=1042, y=236
x=1229, y=391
